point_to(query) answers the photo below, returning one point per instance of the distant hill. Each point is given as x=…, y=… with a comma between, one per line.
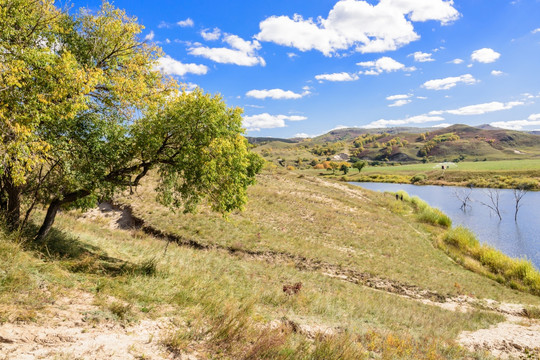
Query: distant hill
x=405, y=144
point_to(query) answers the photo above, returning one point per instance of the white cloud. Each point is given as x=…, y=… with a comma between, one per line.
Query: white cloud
x=241, y=52
x=267, y=121
x=185, y=23
x=398, y=97
x=398, y=103
x=535, y=31
x=357, y=24
x=457, y=61
x=150, y=36
x=254, y=106
x=422, y=97
x=485, y=55
x=343, y=76
x=211, y=35
x=442, y=125
x=422, y=57
x=302, y=135
x=384, y=64
x=449, y=82
x=419, y=119
x=292, y=55
x=480, y=109
x=170, y=66
x=533, y=120
x=276, y=94
x=497, y=73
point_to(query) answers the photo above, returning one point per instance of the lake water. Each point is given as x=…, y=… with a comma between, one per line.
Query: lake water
x=517, y=239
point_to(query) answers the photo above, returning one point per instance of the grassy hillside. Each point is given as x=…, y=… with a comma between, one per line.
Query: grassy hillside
x=311, y=270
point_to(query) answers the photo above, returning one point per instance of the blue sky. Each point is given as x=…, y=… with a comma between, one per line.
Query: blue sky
x=304, y=67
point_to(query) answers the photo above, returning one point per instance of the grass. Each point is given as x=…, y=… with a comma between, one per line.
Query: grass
x=232, y=305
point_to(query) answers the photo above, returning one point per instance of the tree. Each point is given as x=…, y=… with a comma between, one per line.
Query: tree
x=464, y=196
x=494, y=195
x=344, y=168
x=334, y=166
x=111, y=121
x=519, y=193
x=359, y=165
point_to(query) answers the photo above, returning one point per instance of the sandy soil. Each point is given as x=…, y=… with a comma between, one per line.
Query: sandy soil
x=63, y=331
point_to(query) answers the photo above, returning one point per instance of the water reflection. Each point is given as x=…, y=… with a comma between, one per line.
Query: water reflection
x=519, y=238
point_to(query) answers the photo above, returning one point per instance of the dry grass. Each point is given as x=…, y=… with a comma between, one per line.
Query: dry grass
x=232, y=305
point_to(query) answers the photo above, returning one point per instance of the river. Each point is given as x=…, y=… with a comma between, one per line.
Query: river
x=519, y=238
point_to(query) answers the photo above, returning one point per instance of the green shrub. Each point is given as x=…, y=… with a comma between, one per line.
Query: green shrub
x=418, y=178
x=434, y=216
x=461, y=238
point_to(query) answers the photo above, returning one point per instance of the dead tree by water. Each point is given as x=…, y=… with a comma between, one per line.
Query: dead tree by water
x=464, y=196
x=519, y=193
x=494, y=195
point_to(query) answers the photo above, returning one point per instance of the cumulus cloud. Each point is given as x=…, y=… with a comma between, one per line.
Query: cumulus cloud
x=419, y=119
x=185, y=23
x=384, y=64
x=150, y=36
x=480, y=109
x=399, y=100
x=398, y=97
x=422, y=56
x=442, y=125
x=267, y=121
x=240, y=52
x=398, y=103
x=208, y=35
x=449, y=82
x=302, y=135
x=485, y=55
x=182, y=23
x=170, y=66
x=457, y=61
x=358, y=25
x=533, y=120
x=497, y=73
x=343, y=76
x=276, y=94
x=535, y=31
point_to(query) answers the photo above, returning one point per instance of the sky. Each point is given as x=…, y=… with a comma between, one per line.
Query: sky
x=300, y=68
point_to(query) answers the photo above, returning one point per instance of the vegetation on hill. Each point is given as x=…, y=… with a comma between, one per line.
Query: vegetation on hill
x=309, y=270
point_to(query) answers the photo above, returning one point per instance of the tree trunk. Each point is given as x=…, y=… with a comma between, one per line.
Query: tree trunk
x=53, y=210
x=13, y=214
x=49, y=220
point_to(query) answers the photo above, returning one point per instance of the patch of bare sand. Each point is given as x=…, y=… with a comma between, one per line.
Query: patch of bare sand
x=107, y=213
x=514, y=338
x=63, y=331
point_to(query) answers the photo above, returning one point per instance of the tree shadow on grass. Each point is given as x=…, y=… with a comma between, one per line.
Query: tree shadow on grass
x=81, y=257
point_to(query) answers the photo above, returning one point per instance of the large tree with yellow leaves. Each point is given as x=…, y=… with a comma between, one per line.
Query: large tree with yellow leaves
x=84, y=113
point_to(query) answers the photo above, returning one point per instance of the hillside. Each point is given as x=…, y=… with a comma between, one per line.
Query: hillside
x=405, y=145
x=311, y=270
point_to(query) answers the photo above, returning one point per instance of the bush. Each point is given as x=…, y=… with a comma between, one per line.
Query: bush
x=418, y=178
x=435, y=217
x=462, y=238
